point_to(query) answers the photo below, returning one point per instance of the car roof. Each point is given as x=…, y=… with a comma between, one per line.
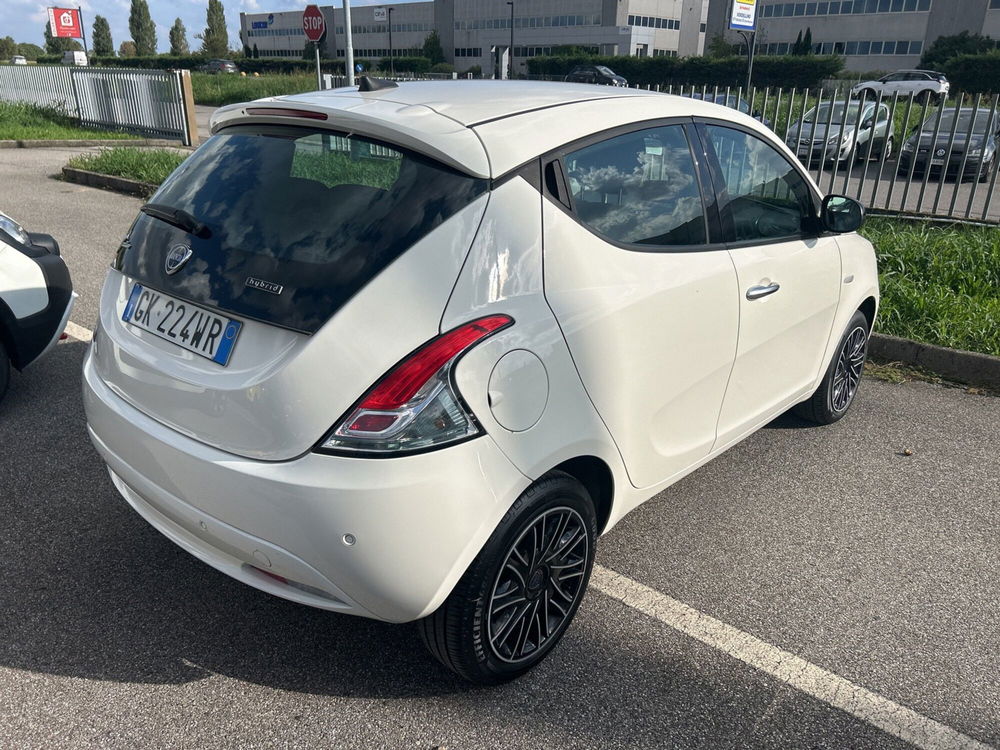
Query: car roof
x=482, y=127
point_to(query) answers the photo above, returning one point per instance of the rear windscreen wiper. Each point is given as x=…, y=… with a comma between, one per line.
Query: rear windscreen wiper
x=178, y=217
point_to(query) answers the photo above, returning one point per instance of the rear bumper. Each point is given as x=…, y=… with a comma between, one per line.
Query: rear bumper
x=417, y=521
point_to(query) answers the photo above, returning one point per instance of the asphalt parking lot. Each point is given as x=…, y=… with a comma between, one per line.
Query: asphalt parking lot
x=840, y=554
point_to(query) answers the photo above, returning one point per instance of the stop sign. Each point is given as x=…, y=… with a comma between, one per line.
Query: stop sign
x=313, y=23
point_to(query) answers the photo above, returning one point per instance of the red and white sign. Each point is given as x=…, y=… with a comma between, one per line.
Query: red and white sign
x=65, y=22
x=313, y=23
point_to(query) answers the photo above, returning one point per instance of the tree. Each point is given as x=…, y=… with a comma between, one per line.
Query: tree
x=718, y=47
x=8, y=48
x=55, y=45
x=797, y=46
x=30, y=51
x=178, y=39
x=215, y=38
x=255, y=53
x=432, y=48
x=142, y=29
x=807, y=42
x=945, y=48
x=103, y=44
x=127, y=49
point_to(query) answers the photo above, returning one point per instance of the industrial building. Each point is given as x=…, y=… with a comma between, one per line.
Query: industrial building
x=478, y=33
x=870, y=34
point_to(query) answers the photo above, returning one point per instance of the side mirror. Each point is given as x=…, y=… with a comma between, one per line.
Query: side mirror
x=867, y=123
x=757, y=114
x=841, y=214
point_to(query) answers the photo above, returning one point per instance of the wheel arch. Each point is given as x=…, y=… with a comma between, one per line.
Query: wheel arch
x=596, y=476
x=868, y=308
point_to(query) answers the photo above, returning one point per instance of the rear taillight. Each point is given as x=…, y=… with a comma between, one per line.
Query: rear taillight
x=415, y=405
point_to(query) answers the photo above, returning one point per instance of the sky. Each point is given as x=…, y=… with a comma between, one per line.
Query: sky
x=25, y=19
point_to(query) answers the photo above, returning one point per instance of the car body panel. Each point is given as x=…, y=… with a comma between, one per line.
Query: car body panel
x=664, y=323
x=782, y=337
x=416, y=523
x=268, y=403
x=504, y=273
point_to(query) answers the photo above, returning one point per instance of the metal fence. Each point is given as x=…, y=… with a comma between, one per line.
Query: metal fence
x=922, y=155
x=144, y=102
x=44, y=85
x=149, y=102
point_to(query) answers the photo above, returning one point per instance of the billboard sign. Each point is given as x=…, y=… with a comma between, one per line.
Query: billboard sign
x=744, y=16
x=65, y=22
x=381, y=14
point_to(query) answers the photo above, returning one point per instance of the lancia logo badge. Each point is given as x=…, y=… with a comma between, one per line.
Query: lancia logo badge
x=177, y=257
x=264, y=286
x=939, y=152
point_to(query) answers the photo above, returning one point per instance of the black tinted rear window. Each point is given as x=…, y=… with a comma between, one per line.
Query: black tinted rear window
x=317, y=213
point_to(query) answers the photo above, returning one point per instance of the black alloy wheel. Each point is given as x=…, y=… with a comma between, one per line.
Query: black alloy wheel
x=519, y=596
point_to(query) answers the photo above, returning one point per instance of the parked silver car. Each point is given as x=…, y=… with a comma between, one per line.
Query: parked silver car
x=841, y=131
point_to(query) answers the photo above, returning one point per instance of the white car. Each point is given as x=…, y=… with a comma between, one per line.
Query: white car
x=922, y=84
x=404, y=352
x=36, y=297
x=18, y=60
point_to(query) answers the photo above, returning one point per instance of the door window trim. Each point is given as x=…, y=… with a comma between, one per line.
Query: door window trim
x=553, y=160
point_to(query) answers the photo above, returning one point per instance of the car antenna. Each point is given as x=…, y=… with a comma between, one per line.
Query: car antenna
x=376, y=84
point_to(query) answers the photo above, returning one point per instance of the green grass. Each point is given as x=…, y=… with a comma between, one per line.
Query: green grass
x=940, y=283
x=151, y=165
x=22, y=122
x=220, y=89
x=339, y=169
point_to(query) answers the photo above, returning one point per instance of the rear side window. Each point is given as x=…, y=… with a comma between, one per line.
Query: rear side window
x=639, y=188
x=762, y=196
x=317, y=213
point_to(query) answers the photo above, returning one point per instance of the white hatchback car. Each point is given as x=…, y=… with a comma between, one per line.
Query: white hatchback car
x=404, y=352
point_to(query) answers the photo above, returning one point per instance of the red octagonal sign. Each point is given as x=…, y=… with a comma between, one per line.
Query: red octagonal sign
x=313, y=23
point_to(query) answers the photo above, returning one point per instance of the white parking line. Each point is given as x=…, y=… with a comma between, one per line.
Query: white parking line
x=78, y=332
x=832, y=689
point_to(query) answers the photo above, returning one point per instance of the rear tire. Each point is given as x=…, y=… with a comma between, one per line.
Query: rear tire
x=840, y=384
x=4, y=371
x=520, y=594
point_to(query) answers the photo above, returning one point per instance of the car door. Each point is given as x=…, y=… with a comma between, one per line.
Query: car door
x=648, y=307
x=787, y=272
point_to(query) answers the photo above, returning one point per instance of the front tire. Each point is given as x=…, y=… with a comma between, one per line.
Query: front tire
x=520, y=594
x=840, y=384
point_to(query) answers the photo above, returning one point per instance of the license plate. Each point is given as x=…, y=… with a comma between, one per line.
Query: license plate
x=188, y=326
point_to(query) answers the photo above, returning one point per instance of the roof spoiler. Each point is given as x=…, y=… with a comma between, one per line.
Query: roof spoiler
x=368, y=83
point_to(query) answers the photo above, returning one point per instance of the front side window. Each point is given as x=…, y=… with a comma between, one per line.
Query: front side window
x=762, y=196
x=639, y=188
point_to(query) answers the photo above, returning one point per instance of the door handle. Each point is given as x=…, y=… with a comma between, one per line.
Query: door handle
x=756, y=292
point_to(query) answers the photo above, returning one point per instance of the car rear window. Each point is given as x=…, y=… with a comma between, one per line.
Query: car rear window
x=314, y=212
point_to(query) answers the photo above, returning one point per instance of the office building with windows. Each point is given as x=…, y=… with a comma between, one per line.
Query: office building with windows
x=478, y=32
x=870, y=34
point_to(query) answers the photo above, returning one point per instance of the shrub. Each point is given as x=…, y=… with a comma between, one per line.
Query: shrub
x=974, y=74
x=443, y=68
x=726, y=71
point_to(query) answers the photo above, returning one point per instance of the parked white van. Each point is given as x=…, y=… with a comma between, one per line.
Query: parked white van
x=74, y=57
x=405, y=352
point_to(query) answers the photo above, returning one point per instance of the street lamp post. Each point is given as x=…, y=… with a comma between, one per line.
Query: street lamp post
x=510, y=61
x=392, y=66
